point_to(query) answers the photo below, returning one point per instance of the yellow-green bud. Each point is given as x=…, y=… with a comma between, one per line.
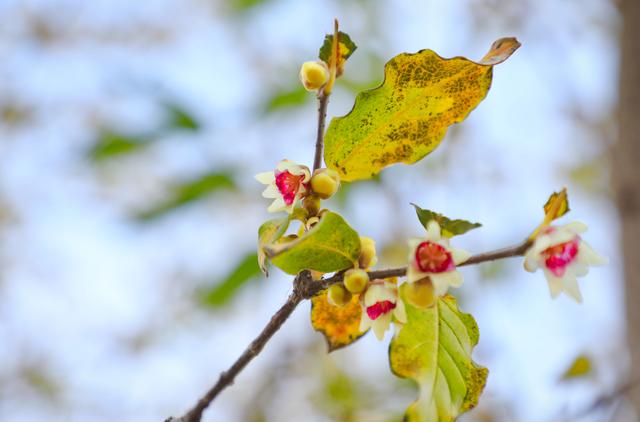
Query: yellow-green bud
x=356, y=280
x=421, y=293
x=325, y=183
x=314, y=75
x=338, y=295
x=368, y=257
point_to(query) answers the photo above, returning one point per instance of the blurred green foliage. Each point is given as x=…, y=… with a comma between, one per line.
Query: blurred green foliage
x=111, y=143
x=222, y=292
x=188, y=192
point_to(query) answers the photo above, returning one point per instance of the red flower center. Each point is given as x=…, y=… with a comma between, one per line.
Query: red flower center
x=380, y=308
x=433, y=258
x=558, y=257
x=288, y=184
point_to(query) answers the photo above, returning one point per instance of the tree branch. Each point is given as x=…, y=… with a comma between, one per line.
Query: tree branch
x=304, y=287
x=323, y=101
x=227, y=377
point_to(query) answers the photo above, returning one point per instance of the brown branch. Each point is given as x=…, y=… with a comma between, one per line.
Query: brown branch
x=323, y=101
x=227, y=377
x=304, y=287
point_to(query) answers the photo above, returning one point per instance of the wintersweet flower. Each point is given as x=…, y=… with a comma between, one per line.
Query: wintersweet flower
x=433, y=257
x=563, y=256
x=287, y=184
x=380, y=305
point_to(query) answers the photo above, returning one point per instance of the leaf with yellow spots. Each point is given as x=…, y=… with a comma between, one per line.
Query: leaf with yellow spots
x=406, y=117
x=346, y=47
x=339, y=325
x=433, y=348
x=557, y=205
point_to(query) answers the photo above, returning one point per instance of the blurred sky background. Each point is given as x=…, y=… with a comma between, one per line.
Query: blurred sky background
x=129, y=136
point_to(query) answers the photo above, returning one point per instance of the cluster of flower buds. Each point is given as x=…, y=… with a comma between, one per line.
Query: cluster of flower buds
x=378, y=298
x=290, y=183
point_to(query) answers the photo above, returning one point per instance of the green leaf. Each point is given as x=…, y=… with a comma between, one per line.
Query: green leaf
x=449, y=227
x=331, y=245
x=286, y=99
x=346, y=46
x=189, y=192
x=406, y=117
x=269, y=232
x=111, y=144
x=222, y=292
x=179, y=118
x=434, y=349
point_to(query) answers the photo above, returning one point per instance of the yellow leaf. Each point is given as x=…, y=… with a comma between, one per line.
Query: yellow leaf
x=580, y=367
x=339, y=325
x=407, y=116
x=557, y=205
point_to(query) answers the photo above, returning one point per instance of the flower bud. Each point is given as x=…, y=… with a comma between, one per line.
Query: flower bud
x=325, y=183
x=338, y=295
x=314, y=75
x=356, y=280
x=421, y=293
x=368, y=257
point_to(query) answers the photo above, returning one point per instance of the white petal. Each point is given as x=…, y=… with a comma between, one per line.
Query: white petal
x=413, y=245
x=440, y=283
x=380, y=293
x=459, y=256
x=541, y=243
x=433, y=230
x=271, y=192
x=365, y=321
x=266, y=178
x=285, y=165
x=590, y=257
x=381, y=324
x=571, y=287
x=414, y=274
x=555, y=284
x=560, y=235
x=576, y=227
x=400, y=312
x=277, y=205
x=531, y=263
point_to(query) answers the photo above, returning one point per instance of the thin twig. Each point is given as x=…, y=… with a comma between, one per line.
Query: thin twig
x=323, y=100
x=227, y=377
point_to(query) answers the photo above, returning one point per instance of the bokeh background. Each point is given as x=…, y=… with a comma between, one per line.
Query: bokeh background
x=129, y=136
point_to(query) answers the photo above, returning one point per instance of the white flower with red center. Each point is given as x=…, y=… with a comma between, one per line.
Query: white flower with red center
x=287, y=184
x=380, y=304
x=433, y=257
x=563, y=256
